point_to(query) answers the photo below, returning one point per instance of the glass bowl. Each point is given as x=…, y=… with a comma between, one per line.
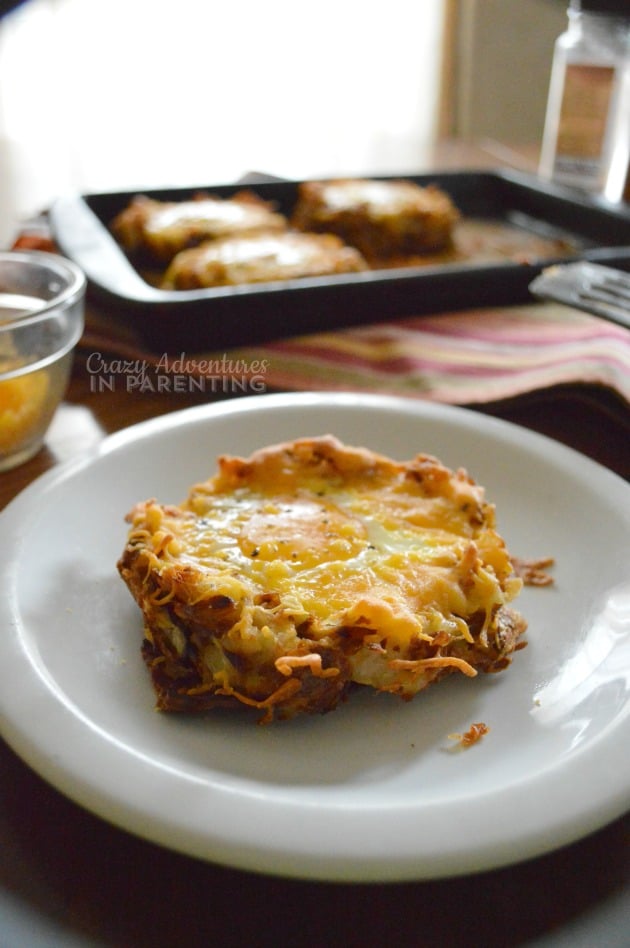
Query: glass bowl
x=41, y=320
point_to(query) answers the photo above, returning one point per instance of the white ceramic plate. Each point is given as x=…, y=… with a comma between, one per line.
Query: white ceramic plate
x=374, y=790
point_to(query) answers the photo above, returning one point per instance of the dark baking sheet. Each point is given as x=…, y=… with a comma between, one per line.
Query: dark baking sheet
x=226, y=316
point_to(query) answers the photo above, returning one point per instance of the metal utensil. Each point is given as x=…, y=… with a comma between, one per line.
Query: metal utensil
x=592, y=287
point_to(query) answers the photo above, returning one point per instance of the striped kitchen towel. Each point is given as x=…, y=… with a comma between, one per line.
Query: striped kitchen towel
x=467, y=357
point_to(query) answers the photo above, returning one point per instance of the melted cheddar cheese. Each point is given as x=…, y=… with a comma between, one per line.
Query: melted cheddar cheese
x=315, y=560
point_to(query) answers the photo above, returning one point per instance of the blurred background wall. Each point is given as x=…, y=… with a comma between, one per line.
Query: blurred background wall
x=499, y=56
x=132, y=94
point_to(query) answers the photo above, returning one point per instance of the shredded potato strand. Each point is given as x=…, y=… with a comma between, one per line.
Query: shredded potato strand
x=287, y=663
x=439, y=661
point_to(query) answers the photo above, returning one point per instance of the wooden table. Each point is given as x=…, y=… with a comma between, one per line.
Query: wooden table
x=69, y=879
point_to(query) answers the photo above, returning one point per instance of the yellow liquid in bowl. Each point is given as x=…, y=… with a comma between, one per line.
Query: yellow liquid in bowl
x=27, y=402
x=22, y=405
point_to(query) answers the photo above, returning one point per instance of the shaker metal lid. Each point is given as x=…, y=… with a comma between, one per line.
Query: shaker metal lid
x=619, y=8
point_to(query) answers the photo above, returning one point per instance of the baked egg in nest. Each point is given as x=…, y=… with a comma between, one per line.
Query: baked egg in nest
x=312, y=567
